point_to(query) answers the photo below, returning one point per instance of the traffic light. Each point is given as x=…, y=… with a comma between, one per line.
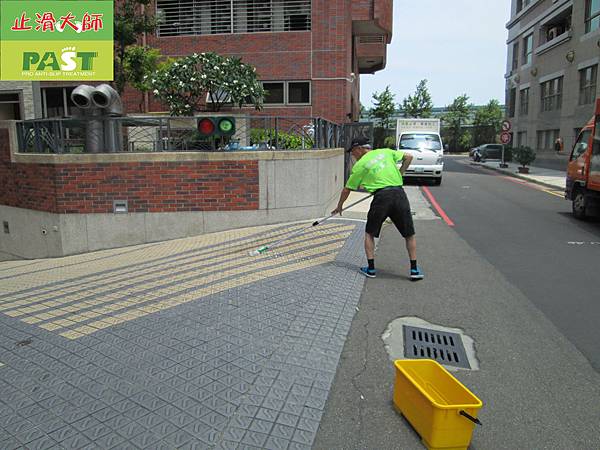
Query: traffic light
x=216, y=126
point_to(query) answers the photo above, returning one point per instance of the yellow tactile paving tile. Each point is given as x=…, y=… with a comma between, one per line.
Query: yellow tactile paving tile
x=70, y=279
x=175, y=301
x=197, y=262
x=241, y=274
x=80, y=301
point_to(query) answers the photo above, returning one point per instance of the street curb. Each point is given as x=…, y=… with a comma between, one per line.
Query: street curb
x=516, y=175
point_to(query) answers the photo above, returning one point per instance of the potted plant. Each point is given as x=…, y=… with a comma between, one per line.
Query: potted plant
x=524, y=156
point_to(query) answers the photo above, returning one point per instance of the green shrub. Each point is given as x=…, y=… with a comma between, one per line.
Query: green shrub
x=284, y=140
x=524, y=155
x=389, y=142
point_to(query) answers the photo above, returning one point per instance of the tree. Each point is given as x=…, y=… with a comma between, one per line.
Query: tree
x=185, y=84
x=384, y=107
x=487, y=123
x=383, y=110
x=139, y=64
x=132, y=20
x=420, y=104
x=457, y=116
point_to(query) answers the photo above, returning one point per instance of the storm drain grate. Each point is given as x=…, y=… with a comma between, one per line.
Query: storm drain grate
x=445, y=348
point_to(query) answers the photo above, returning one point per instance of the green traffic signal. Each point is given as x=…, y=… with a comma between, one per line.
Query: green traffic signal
x=216, y=126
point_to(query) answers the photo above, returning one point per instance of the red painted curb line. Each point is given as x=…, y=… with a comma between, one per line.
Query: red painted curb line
x=437, y=206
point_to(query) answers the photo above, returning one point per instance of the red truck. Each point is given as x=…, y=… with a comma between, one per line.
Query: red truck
x=583, y=170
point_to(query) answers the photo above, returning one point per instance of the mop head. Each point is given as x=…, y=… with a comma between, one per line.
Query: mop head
x=259, y=251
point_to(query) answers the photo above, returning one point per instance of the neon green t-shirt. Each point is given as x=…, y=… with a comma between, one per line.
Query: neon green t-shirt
x=376, y=170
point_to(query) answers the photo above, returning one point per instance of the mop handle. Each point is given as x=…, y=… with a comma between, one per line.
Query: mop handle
x=317, y=222
x=274, y=244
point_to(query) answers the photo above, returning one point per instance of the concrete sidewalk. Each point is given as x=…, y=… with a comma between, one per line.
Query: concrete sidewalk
x=545, y=177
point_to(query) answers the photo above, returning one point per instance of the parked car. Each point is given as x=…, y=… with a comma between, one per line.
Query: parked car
x=487, y=151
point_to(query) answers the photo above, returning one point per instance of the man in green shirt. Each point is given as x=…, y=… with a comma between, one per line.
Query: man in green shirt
x=377, y=172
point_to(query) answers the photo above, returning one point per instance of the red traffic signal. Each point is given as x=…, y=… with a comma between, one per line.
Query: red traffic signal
x=206, y=126
x=216, y=126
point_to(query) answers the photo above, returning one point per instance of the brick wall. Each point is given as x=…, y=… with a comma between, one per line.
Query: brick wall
x=148, y=186
x=323, y=52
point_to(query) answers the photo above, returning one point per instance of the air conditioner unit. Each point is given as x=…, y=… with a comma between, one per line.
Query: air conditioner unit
x=552, y=33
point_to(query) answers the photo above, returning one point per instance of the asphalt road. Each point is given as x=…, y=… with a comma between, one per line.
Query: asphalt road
x=507, y=276
x=529, y=235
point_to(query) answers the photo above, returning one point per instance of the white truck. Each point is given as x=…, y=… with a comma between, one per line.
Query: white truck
x=421, y=138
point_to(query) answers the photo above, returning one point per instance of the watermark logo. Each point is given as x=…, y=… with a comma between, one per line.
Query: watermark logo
x=56, y=40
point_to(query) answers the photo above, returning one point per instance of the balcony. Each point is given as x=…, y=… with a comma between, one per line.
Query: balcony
x=372, y=30
x=554, y=42
x=555, y=30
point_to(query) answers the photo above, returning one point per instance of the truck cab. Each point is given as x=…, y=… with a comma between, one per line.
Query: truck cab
x=421, y=139
x=583, y=169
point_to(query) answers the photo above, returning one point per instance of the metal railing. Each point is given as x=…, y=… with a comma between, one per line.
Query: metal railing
x=176, y=134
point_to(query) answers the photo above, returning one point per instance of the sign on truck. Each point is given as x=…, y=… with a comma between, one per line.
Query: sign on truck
x=421, y=138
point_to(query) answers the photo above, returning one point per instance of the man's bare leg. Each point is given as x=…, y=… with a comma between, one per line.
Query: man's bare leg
x=370, y=246
x=411, y=247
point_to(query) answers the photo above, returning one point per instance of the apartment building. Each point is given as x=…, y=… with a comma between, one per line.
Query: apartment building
x=552, y=70
x=309, y=54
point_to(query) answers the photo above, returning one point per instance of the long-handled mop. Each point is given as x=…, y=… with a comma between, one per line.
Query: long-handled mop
x=264, y=248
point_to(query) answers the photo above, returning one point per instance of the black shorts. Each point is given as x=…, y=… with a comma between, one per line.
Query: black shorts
x=390, y=202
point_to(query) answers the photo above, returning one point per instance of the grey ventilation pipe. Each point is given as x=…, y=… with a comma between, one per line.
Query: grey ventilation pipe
x=82, y=96
x=105, y=97
x=99, y=105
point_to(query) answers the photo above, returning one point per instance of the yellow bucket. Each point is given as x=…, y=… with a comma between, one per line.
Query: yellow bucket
x=436, y=404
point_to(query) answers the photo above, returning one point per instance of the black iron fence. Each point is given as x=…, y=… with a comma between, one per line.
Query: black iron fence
x=175, y=134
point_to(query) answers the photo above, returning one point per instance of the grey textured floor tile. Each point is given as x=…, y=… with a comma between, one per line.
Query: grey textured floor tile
x=276, y=443
x=43, y=443
x=179, y=438
x=283, y=431
x=131, y=430
x=304, y=437
x=146, y=439
x=254, y=438
x=110, y=440
x=76, y=442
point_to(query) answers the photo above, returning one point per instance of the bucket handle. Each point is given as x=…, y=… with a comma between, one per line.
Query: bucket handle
x=470, y=417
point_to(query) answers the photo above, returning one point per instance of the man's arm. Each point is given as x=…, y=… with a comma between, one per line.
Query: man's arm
x=343, y=196
x=406, y=160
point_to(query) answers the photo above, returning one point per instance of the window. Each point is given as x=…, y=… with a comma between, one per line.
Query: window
x=288, y=93
x=546, y=138
x=522, y=4
x=551, y=92
x=10, y=106
x=521, y=138
x=587, y=85
x=592, y=15
x=296, y=16
x=527, y=49
x=299, y=92
x=512, y=102
x=581, y=145
x=420, y=142
x=198, y=17
x=275, y=93
x=56, y=102
x=515, y=56
x=220, y=16
x=259, y=15
x=524, y=102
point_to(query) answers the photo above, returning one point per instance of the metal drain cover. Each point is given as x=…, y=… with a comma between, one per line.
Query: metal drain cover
x=446, y=348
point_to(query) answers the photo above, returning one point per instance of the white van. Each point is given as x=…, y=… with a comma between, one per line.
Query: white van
x=421, y=138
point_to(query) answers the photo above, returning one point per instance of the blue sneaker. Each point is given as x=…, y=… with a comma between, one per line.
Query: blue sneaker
x=370, y=273
x=416, y=274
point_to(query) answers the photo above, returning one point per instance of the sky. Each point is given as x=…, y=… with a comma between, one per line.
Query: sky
x=459, y=46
